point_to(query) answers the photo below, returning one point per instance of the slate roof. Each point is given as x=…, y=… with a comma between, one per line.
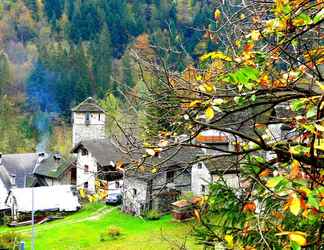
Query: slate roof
x=222, y=165
x=104, y=150
x=4, y=177
x=51, y=168
x=173, y=158
x=88, y=105
x=19, y=165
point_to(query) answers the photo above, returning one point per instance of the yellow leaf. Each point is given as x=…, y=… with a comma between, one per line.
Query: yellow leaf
x=217, y=14
x=194, y=104
x=295, y=205
x=298, y=237
x=215, y=55
x=255, y=35
x=295, y=169
x=208, y=88
x=209, y=113
x=229, y=241
x=82, y=193
x=154, y=170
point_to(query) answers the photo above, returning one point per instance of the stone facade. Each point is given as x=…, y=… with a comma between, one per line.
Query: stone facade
x=88, y=126
x=143, y=193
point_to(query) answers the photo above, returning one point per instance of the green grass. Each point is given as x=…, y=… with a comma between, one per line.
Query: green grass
x=82, y=231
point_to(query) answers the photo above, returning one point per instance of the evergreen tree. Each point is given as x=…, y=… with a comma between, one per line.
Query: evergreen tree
x=102, y=61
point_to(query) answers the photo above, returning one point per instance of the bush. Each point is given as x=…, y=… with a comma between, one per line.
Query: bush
x=5, y=219
x=113, y=232
x=153, y=215
x=10, y=241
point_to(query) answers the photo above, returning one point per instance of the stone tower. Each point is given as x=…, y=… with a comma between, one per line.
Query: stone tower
x=88, y=121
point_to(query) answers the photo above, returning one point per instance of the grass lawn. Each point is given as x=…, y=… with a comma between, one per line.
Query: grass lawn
x=82, y=231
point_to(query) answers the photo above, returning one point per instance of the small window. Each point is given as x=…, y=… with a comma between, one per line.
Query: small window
x=13, y=179
x=86, y=185
x=86, y=168
x=170, y=176
x=87, y=117
x=134, y=191
x=117, y=185
x=84, y=151
x=203, y=188
x=199, y=165
x=99, y=117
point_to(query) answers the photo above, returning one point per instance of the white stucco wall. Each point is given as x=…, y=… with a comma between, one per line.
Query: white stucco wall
x=89, y=176
x=94, y=130
x=3, y=195
x=112, y=187
x=199, y=177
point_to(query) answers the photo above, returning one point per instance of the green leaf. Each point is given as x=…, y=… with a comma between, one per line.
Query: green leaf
x=305, y=17
x=297, y=105
x=295, y=246
x=274, y=181
x=313, y=201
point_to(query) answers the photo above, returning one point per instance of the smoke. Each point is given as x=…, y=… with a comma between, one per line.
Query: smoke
x=42, y=124
x=41, y=100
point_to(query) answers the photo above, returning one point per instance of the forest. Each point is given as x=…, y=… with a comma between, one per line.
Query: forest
x=55, y=53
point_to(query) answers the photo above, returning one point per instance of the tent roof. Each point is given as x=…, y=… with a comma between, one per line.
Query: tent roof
x=59, y=197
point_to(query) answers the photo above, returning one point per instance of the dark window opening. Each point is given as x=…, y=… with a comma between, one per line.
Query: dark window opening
x=86, y=168
x=87, y=117
x=199, y=165
x=134, y=191
x=170, y=176
x=84, y=151
x=86, y=185
x=99, y=117
x=117, y=185
x=203, y=188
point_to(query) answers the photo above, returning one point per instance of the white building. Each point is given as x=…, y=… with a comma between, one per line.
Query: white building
x=209, y=171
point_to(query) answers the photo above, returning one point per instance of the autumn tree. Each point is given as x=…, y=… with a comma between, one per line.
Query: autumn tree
x=264, y=87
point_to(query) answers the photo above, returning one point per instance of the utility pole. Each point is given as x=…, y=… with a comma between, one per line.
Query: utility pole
x=33, y=221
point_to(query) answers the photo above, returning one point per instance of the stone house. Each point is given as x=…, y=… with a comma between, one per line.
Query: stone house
x=144, y=189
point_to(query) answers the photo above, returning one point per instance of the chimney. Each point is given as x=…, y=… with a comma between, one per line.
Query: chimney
x=57, y=156
x=41, y=157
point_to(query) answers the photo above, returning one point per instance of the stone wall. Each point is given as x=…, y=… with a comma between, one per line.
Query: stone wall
x=135, y=203
x=93, y=129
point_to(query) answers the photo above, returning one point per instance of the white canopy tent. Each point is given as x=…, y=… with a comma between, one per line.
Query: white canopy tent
x=59, y=197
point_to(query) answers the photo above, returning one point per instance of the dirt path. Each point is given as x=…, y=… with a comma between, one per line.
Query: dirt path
x=92, y=217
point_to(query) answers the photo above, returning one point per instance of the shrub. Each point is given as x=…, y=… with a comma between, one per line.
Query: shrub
x=112, y=232
x=153, y=215
x=10, y=241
